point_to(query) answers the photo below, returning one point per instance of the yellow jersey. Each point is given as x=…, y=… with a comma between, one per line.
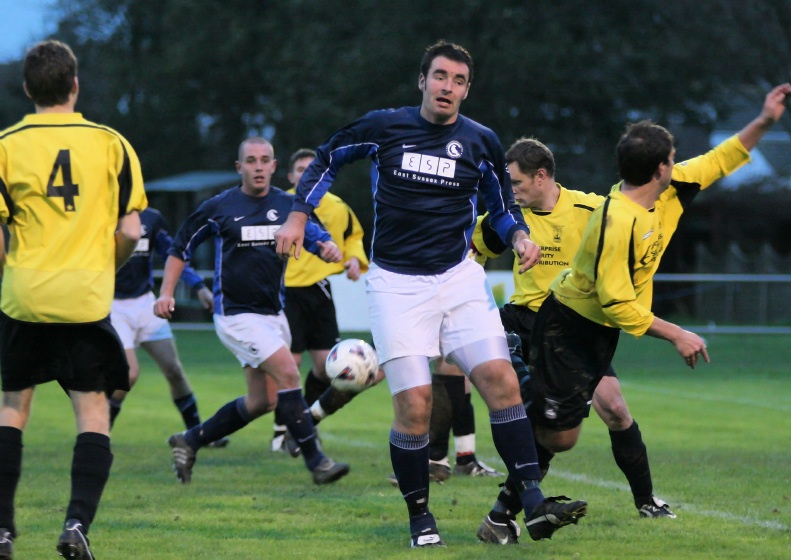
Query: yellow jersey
x=342, y=224
x=558, y=232
x=64, y=183
x=610, y=281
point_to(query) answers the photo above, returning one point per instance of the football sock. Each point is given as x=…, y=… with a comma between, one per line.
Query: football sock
x=463, y=423
x=409, y=455
x=632, y=458
x=115, y=409
x=332, y=400
x=544, y=458
x=188, y=407
x=508, y=502
x=90, y=469
x=441, y=418
x=10, y=471
x=314, y=387
x=231, y=417
x=294, y=411
x=513, y=438
x=465, y=449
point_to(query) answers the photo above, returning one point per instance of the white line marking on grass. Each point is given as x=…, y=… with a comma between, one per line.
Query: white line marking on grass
x=746, y=520
x=698, y=397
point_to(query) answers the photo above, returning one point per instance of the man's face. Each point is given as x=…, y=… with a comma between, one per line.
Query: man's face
x=444, y=88
x=256, y=168
x=299, y=168
x=527, y=188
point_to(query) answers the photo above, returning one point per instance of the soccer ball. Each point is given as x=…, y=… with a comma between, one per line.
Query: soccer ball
x=352, y=365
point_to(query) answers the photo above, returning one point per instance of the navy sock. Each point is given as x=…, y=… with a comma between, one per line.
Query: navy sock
x=631, y=456
x=10, y=471
x=513, y=438
x=90, y=469
x=296, y=416
x=409, y=455
x=188, y=407
x=230, y=418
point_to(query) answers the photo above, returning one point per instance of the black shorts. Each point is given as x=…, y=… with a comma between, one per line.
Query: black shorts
x=311, y=317
x=569, y=355
x=82, y=357
x=521, y=320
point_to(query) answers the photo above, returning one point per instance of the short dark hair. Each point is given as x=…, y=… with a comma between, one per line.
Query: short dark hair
x=49, y=71
x=641, y=149
x=531, y=155
x=299, y=154
x=253, y=140
x=448, y=50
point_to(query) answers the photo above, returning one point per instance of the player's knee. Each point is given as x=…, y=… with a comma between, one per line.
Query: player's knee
x=615, y=414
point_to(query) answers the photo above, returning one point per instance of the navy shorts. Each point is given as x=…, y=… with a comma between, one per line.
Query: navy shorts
x=311, y=317
x=83, y=357
x=569, y=355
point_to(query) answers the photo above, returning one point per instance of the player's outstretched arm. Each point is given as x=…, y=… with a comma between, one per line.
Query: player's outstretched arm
x=127, y=234
x=291, y=234
x=773, y=109
x=689, y=345
x=528, y=252
x=165, y=304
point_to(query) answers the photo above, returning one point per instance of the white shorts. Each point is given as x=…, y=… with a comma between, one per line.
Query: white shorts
x=135, y=322
x=253, y=337
x=431, y=315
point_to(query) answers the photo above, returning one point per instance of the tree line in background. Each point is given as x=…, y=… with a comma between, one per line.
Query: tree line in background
x=186, y=80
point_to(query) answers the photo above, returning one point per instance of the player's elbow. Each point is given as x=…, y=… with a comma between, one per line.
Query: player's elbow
x=129, y=229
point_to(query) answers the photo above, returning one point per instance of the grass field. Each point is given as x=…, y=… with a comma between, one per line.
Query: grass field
x=719, y=439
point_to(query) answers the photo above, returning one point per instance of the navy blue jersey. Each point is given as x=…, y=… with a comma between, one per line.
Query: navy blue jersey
x=136, y=277
x=425, y=180
x=248, y=273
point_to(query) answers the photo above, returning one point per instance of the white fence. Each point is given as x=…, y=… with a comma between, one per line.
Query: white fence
x=714, y=303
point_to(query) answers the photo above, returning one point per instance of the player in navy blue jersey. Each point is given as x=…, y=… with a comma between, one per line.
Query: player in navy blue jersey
x=426, y=298
x=133, y=318
x=248, y=307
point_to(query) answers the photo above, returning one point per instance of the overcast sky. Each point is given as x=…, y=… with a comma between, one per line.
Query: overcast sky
x=24, y=23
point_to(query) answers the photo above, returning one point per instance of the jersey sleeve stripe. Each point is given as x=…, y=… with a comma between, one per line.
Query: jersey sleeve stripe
x=124, y=184
x=8, y=201
x=600, y=245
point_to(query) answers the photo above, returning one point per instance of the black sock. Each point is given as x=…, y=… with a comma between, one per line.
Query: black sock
x=463, y=412
x=409, y=455
x=441, y=418
x=314, y=387
x=115, y=409
x=332, y=400
x=230, y=418
x=188, y=407
x=544, y=458
x=632, y=458
x=90, y=469
x=294, y=411
x=508, y=503
x=10, y=471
